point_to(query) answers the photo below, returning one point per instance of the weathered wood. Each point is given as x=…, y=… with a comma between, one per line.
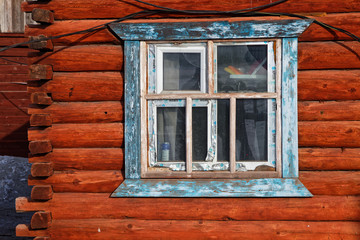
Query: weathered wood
x=42, y=169
x=40, y=220
x=329, y=85
x=13, y=69
x=329, y=134
x=97, y=205
x=173, y=229
x=80, y=135
x=42, y=192
x=41, y=98
x=82, y=181
x=77, y=112
x=329, y=111
x=329, y=158
x=40, y=43
x=38, y=71
x=38, y=120
x=16, y=52
x=42, y=15
x=109, y=9
x=42, y=146
x=82, y=58
x=334, y=55
x=83, y=158
x=23, y=230
x=6, y=40
x=8, y=77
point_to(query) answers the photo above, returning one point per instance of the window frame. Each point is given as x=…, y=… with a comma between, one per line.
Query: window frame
x=133, y=33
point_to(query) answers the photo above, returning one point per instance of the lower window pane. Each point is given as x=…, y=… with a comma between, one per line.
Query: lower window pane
x=223, y=130
x=171, y=134
x=251, y=130
x=199, y=133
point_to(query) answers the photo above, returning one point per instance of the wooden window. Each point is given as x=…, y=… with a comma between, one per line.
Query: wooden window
x=210, y=109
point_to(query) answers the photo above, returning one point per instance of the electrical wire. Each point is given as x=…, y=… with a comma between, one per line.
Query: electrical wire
x=247, y=12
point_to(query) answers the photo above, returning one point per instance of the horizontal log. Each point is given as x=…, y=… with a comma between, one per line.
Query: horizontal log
x=80, y=135
x=174, y=229
x=23, y=230
x=40, y=220
x=84, y=86
x=42, y=15
x=38, y=71
x=16, y=52
x=334, y=55
x=10, y=77
x=347, y=21
x=40, y=43
x=14, y=86
x=82, y=181
x=82, y=58
x=41, y=98
x=83, y=158
x=9, y=60
x=329, y=134
x=329, y=111
x=42, y=192
x=100, y=205
x=42, y=169
x=329, y=158
x=6, y=41
x=109, y=9
x=318, y=183
x=77, y=112
x=40, y=120
x=13, y=69
x=16, y=95
x=329, y=85
x=41, y=146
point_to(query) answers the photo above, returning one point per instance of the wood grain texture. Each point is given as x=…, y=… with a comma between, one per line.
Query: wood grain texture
x=334, y=55
x=23, y=230
x=329, y=85
x=97, y=205
x=329, y=158
x=81, y=181
x=83, y=158
x=329, y=111
x=40, y=98
x=42, y=15
x=172, y=229
x=105, y=135
x=40, y=220
x=42, y=192
x=38, y=71
x=78, y=112
x=42, y=146
x=42, y=169
x=81, y=58
x=329, y=134
x=40, y=43
x=82, y=9
x=40, y=120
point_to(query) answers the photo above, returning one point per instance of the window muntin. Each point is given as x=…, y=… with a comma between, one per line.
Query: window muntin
x=254, y=112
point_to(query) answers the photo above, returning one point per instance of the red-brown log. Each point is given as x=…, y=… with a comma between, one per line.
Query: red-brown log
x=38, y=71
x=80, y=135
x=13, y=69
x=9, y=77
x=100, y=205
x=42, y=238
x=82, y=181
x=8, y=40
x=83, y=158
x=329, y=158
x=329, y=111
x=175, y=229
x=83, y=86
x=42, y=192
x=5, y=61
x=43, y=169
x=40, y=43
x=16, y=52
x=38, y=120
x=82, y=9
x=334, y=55
x=40, y=220
x=13, y=86
x=40, y=146
x=23, y=230
x=82, y=58
x=77, y=112
x=329, y=134
x=41, y=98
x=42, y=15
x=329, y=85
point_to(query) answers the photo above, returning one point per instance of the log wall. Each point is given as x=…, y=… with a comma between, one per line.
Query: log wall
x=76, y=134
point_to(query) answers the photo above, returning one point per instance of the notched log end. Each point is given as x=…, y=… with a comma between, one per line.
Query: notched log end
x=42, y=15
x=42, y=169
x=40, y=120
x=41, y=98
x=38, y=71
x=42, y=192
x=40, y=43
x=37, y=147
x=40, y=220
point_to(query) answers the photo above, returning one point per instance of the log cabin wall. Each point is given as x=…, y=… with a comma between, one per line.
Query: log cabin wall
x=76, y=135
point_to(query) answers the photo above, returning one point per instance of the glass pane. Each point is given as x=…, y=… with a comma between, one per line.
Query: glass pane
x=223, y=130
x=181, y=71
x=242, y=68
x=251, y=130
x=199, y=134
x=171, y=135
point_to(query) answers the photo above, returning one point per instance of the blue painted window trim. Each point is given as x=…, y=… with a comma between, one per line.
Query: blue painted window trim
x=288, y=185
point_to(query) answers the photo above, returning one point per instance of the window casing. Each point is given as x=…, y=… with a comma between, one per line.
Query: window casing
x=139, y=182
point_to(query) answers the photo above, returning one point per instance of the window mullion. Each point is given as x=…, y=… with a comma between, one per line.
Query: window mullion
x=232, y=134
x=189, y=135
